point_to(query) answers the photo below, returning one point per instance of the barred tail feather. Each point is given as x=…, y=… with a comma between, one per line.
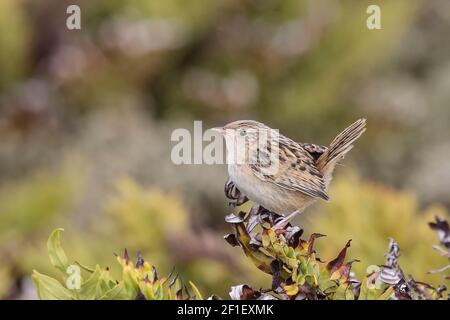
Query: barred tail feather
x=338, y=148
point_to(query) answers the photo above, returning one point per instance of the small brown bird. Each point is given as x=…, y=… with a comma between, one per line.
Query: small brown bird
x=278, y=173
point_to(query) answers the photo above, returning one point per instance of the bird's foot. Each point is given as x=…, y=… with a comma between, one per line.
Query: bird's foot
x=234, y=194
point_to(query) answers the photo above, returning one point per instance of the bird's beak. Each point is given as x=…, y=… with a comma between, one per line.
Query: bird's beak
x=218, y=129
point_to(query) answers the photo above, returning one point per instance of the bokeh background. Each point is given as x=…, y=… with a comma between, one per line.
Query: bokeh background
x=86, y=117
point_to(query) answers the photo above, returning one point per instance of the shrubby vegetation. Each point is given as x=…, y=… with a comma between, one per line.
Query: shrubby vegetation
x=158, y=224
x=293, y=263
x=370, y=214
x=297, y=271
x=138, y=280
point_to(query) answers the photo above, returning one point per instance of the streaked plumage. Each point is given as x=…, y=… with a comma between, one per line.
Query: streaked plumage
x=304, y=170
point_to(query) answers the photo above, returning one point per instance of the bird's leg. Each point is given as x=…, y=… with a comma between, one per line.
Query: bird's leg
x=283, y=222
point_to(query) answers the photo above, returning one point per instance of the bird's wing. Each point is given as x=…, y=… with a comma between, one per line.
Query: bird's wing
x=296, y=171
x=314, y=149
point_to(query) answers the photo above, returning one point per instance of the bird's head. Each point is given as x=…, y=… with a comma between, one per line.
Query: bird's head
x=246, y=137
x=242, y=129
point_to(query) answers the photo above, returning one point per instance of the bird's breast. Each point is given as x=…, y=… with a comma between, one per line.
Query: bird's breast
x=246, y=181
x=269, y=195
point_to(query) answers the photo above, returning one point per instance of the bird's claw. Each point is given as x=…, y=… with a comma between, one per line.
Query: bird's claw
x=234, y=194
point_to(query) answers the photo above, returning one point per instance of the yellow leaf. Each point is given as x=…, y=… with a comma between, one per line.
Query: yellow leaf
x=291, y=290
x=336, y=275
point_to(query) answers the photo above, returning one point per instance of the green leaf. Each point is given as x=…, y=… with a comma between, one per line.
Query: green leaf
x=130, y=281
x=84, y=267
x=367, y=293
x=107, y=281
x=349, y=294
x=159, y=293
x=198, y=295
x=301, y=280
x=363, y=293
x=295, y=273
x=56, y=253
x=343, y=292
x=48, y=288
x=272, y=236
x=91, y=288
x=292, y=263
x=116, y=293
x=265, y=240
x=303, y=265
x=387, y=294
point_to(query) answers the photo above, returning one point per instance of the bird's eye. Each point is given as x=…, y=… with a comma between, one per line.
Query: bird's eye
x=242, y=132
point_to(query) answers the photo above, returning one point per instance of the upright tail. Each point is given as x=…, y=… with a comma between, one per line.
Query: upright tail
x=338, y=148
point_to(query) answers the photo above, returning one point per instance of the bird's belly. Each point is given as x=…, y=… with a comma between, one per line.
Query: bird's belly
x=267, y=194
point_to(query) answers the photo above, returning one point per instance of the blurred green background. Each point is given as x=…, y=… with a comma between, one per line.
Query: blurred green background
x=86, y=117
